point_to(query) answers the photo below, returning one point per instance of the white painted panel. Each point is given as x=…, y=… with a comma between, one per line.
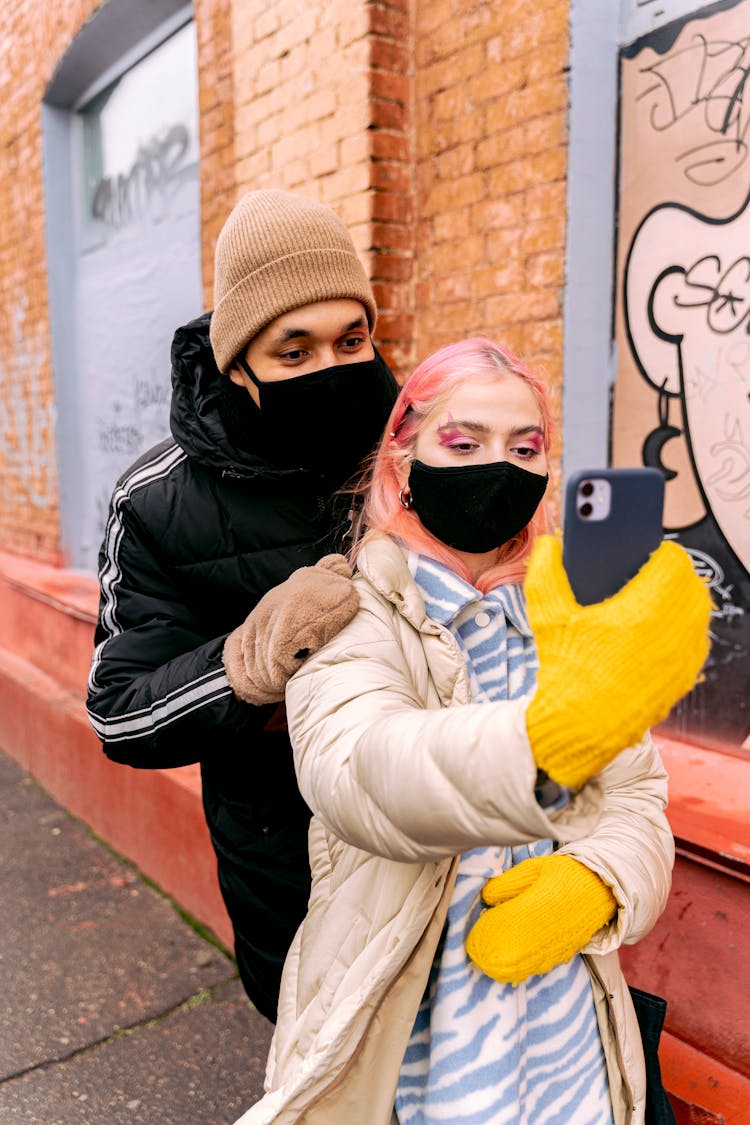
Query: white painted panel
x=138, y=270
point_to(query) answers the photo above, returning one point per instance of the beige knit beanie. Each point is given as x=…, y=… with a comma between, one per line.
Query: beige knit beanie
x=276, y=252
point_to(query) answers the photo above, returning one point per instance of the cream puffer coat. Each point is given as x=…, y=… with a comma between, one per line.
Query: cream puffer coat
x=403, y=773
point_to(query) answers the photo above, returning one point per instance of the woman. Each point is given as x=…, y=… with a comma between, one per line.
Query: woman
x=452, y=759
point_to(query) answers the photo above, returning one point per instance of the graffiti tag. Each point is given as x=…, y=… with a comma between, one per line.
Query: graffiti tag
x=26, y=417
x=724, y=293
x=151, y=182
x=706, y=77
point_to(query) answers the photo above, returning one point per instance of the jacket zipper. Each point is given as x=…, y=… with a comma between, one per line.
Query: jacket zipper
x=609, y=997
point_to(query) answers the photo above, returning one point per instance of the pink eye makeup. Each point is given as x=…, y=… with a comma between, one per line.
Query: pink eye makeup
x=450, y=436
x=464, y=437
x=531, y=444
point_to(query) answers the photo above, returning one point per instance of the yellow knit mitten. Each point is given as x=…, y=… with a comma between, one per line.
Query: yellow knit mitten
x=611, y=670
x=543, y=912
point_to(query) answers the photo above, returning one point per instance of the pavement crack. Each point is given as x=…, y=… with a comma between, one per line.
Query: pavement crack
x=197, y=999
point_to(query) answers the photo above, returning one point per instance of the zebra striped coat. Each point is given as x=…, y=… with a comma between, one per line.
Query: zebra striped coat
x=404, y=773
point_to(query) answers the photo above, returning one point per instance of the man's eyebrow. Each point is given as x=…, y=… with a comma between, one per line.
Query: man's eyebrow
x=288, y=334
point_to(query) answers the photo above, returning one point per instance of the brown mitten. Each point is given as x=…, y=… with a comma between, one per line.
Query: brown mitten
x=289, y=623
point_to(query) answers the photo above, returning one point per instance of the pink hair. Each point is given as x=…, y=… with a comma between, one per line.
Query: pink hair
x=431, y=383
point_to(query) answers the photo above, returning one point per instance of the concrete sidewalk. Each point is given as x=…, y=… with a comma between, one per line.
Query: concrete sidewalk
x=113, y=1009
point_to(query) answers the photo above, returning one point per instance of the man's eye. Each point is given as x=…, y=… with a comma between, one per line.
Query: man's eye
x=293, y=355
x=352, y=342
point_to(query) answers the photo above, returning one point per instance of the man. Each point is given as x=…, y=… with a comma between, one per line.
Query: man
x=277, y=397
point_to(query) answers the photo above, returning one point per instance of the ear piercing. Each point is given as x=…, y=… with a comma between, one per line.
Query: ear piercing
x=404, y=498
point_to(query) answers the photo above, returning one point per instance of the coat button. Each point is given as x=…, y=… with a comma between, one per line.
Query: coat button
x=482, y=619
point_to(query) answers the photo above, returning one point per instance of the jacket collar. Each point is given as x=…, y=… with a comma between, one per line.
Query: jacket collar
x=195, y=417
x=386, y=565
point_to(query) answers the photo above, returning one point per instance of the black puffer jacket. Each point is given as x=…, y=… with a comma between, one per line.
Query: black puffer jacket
x=199, y=529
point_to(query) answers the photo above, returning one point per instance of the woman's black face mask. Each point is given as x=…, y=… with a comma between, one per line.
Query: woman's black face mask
x=327, y=421
x=475, y=508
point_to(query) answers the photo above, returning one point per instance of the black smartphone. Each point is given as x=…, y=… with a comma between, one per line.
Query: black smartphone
x=612, y=522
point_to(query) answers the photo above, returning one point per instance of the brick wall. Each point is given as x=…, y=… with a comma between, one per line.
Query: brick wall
x=302, y=103
x=436, y=130
x=491, y=104
x=33, y=37
x=216, y=94
x=322, y=105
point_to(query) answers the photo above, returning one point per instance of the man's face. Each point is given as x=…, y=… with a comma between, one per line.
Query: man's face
x=311, y=338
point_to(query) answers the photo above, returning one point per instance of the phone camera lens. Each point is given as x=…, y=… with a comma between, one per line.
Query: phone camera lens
x=587, y=488
x=586, y=510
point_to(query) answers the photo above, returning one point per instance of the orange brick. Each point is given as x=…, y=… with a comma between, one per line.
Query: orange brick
x=389, y=86
x=517, y=307
x=501, y=146
x=394, y=236
x=449, y=104
x=388, y=114
x=390, y=295
x=508, y=178
x=387, y=145
x=509, y=335
x=423, y=294
x=498, y=214
x=468, y=190
x=355, y=209
x=544, y=200
x=526, y=35
x=390, y=176
x=452, y=224
x=350, y=180
x=439, y=13
x=545, y=269
x=265, y=22
x=392, y=267
x=543, y=337
x=455, y=318
x=335, y=129
x=552, y=164
x=394, y=326
x=324, y=160
x=545, y=132
x=553, y=59
x=387, y=55
x=295, y=174
x=354, y=28
x=507, y=275
x=294, y=65
x=389, y=21
x=455, y=162
x=458, y=68
x=495, y=81
x=389, y=206
x=545, y=234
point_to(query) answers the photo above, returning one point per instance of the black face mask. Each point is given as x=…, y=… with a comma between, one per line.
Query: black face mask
x=327, y=421
x=475, y=507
